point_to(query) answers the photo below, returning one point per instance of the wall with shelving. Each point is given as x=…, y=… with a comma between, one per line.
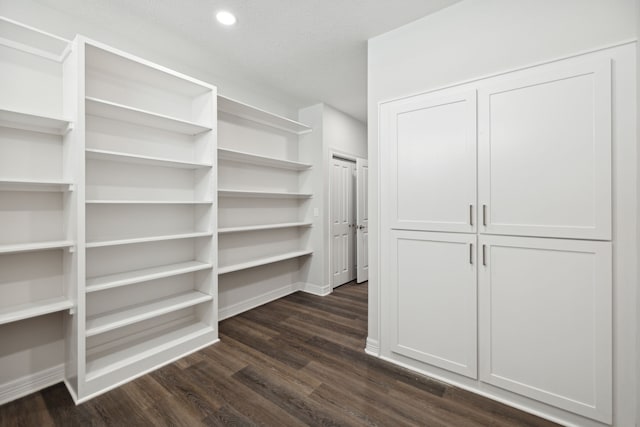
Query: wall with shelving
x=148, y=40
x=262, y=206
x=37, y=203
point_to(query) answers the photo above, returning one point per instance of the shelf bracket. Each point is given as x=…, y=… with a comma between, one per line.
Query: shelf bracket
x=68, y=129
x=72, y=249
x=72, y=311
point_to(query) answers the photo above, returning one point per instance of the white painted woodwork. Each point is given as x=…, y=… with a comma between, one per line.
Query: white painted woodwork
x=224, y=192
x=545, y=152
x=432, y=299
x=263, y=243
x=149, y=221
x=263, y=261
x=142, y=160
x=124, y=113
x=241, y=229
x=432, y=143
x=37, y=200
x=546, y=320
x=248, y=112
x=362, y=216
x=243, y=157
x=556, y=167
x=33, y=122
x=343, y=221
x=108, y=281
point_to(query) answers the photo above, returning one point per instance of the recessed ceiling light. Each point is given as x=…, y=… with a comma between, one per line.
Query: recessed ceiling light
x=226, y=18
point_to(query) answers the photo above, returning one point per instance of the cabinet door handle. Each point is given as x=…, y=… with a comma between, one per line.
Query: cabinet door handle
x=484, y=255
x=484, y=215
x=471, y=215
x=471, y=253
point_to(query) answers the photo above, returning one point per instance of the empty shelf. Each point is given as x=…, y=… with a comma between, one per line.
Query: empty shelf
x=37, y=246
x=142, y=160
x=263, y=194
x=34, y=185
x=33, y=122
x=263, y=227
x=127, y=316
x=146, y=239
x=254, y=159
x=247, y=112
x=109, y=281
x=263, y=261
x=111, y=110
x=34, y=309
x=107, y=361
x=147, y=202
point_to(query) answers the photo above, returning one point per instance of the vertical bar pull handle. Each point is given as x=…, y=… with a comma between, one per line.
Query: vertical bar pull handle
x=471, y=253
x=471, y=215
x=484, y=215
x=484, y=255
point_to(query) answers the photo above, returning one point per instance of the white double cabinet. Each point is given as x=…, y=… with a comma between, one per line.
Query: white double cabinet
x=498, y=208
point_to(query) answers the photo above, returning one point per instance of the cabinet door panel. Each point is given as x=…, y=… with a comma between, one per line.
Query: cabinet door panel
x=433, y=299
x=545, y=152
x=432, y=143
x=545, y=321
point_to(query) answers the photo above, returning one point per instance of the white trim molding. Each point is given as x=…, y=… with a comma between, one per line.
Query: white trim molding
x=28, y=384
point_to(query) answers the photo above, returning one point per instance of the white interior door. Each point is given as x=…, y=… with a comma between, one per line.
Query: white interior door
x=545, y=320
x=343, y=224
x=362, y=215
x=433, y=299
x=432, y=159
x=545, y=152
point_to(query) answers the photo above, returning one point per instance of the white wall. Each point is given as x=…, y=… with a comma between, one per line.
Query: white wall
x=638, y=199
x=472, y=39
x=344, y=133
x=150, y=41
x=334, y=131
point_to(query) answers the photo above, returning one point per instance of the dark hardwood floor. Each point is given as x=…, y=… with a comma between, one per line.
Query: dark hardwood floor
x=295, y=361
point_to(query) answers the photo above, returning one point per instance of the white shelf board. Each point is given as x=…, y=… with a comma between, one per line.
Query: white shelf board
x=133, y=314
x=34, y=309
x=122, y=65
x=226, y=230
x=25, y=38
x=109, y=281
x=148, y=202
x=33, y=122
x=35, y=246
x=105, y=362
x=254, y=159
x=124, y=113
x=147, y=239
x=263, y=261
x=262, y=194
x=142, y=160
x=247, y=112
x=34, y=185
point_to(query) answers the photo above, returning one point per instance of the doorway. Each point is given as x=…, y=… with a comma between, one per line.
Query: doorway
x=349, y=220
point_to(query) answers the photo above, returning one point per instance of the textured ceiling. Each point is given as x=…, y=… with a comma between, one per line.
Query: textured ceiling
x=310, y=50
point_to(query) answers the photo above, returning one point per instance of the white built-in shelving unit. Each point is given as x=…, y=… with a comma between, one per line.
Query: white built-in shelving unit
x=148, y=290
x=262, y=206
x=37, y=205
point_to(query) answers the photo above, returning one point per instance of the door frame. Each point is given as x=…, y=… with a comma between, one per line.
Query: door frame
x=342, y=155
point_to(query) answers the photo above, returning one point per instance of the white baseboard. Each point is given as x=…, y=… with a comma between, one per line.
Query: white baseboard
x=314, y=289
x=31, y=383
x=246, y=305
x=372, y=347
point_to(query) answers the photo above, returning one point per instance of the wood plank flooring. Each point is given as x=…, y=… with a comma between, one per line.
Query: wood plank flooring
x=295, y=361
